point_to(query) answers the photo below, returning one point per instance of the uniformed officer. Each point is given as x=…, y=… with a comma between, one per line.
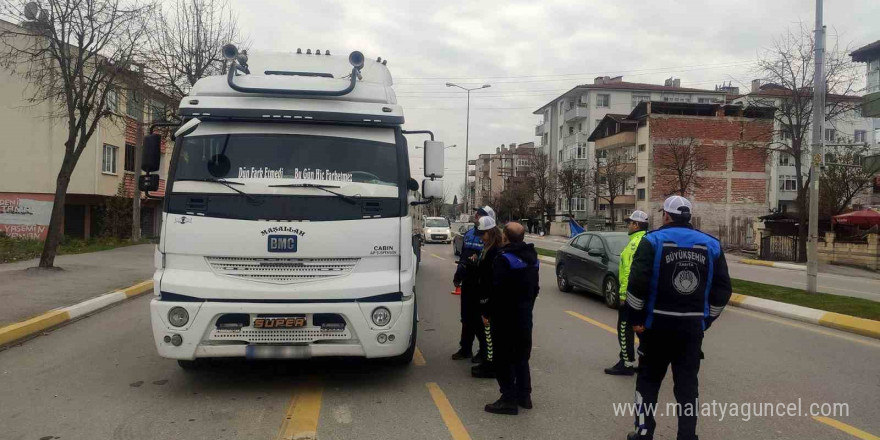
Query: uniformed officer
x=511, y=301
x=636, y=225
x=678, y=286
x=466, y=277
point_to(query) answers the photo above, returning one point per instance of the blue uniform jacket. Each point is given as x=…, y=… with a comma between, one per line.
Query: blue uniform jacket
x=466, y=272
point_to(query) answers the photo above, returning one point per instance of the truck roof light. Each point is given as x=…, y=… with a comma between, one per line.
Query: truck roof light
x=356, y=59
x=299, y=50
x=308, y=51
x=317, y=51
x=384, y=62
x=379, y=60
x=327, y=52
x=229, y=51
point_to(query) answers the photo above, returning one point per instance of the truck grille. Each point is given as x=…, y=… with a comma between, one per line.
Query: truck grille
x=279, y=336
x=282, y=270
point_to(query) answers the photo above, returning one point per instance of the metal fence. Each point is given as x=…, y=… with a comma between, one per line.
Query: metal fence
x=779, y=248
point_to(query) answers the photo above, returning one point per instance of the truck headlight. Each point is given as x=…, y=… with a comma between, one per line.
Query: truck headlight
x=381, y=316
x=178, y=316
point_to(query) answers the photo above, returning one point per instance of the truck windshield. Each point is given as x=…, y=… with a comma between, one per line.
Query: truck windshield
x=331, y=160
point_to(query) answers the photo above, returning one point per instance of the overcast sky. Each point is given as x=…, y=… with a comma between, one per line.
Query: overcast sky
x=530, y=52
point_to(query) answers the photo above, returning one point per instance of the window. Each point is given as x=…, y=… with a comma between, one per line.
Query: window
x=602, y=154
x=676, y=97
x=596, y=244
x=785, y=159
x=581, y=242
x=581, y=151
x=580, y=127
x=706, y=100
x=603, y=207
x=108, y=160
x=603, y=100
x=570, y=131
x=642, y=148
x=830, y=135
x=787, y=183
x=561, y=130
x=578, y=204
x=158, y=111
x=636, y=99
x=133, y=103
x=641, y=179
x=129, y=157
x=860, y=136
x=113, y=100
x=640, y=193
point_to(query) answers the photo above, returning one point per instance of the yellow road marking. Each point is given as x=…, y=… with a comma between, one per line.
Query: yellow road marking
x=596, y=323
x=864, y=327
x=418, y=359
x=437, y=256
x=19, y=330
x=450, y=418
x=301, y=419
x=855, y=432
x=797, y=324
x=138, y=289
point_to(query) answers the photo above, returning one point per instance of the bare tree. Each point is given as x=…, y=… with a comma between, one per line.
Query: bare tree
x=75, y=54
x=541, y=174
x=572, y=181
x=612, y=179
x=844, y=178
x=677, y=164
x=185, y=43
x=787, y=68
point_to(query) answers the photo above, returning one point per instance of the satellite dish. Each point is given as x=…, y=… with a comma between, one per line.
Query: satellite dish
x=31, y=10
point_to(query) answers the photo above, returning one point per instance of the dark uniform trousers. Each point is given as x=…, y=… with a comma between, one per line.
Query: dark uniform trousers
x=512, y=340
x=625, y=336
x=657, y=350
x=471, y=319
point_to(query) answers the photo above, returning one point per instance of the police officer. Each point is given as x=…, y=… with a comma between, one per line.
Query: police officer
x=466, y=277
x=636, y=225
x=511, y=301
x=678, y=286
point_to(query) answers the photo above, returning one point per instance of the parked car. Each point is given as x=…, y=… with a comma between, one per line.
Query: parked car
x=436, y=230
x=590, y=261
x=458, y=236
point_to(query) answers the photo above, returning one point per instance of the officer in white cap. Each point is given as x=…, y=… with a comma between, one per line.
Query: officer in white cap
x=678, y=285
x=636, y=225
x=466, y=278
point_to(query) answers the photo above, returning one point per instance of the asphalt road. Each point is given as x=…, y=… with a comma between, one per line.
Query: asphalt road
x=100, y=378
x=834, y=280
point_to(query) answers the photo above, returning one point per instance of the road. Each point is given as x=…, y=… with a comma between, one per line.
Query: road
x=847, y=282
x=100, y=378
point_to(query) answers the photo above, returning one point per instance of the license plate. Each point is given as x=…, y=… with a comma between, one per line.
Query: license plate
x=280, y=322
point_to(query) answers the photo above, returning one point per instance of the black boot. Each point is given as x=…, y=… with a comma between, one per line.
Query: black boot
x=478, y=358
x=502, y=406
x=525, y=402
x=461, y=354
x=636, y=436
x=620, y=369
x=486, y=370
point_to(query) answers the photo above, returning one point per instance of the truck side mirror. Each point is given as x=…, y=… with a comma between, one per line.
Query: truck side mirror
x=148, y=182
x=432, y=189
x=434, y=161
x=412, y=185
x=152, y=153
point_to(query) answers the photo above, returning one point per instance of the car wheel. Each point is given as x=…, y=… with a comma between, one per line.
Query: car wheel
x=562, y=280
x=611, y=292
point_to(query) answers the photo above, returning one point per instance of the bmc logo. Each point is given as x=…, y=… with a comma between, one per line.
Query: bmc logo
x=282, y=243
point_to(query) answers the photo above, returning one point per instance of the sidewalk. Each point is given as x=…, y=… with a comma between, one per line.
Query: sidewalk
x=26, y=292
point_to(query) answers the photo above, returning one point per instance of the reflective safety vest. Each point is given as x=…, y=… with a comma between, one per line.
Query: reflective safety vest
x=626, y=259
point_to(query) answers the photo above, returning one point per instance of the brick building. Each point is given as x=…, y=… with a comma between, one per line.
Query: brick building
x=724, y=145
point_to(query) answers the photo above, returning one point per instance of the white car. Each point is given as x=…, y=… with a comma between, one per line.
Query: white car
x=437, y=230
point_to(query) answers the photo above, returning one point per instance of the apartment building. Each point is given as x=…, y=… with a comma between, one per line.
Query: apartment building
x=494, y=172
x=849, y=127
x=33, y=149
x=730, y=144
x=567, y=121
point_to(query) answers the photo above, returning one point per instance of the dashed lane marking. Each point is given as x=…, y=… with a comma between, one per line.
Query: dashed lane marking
x=596, y=323
x=853, y=431
x=301, y=419
x=437, y=256
x=450, y=418
x=418, y=359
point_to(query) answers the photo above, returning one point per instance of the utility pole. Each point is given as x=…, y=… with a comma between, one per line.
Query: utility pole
x=467, y=136
x=138, y=146
x=817, y=150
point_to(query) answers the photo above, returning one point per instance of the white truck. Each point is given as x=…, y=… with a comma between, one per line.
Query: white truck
x=286, y=226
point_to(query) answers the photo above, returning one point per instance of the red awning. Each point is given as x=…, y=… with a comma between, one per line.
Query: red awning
x=865, y=217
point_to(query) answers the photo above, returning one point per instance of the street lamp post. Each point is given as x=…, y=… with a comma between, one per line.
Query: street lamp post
x=467, y=137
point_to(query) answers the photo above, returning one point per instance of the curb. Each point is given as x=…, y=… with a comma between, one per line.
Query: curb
x=775, y=264
x=52, y=318
x=546, y=259
x=851, y=324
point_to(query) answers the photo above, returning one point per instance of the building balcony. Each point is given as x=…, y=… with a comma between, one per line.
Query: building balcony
x=472, y=173
x=622, y=139
x=574, y=139
x=575, y=113
x=623, y=167
x=871, y=105
x=619, y=201
x=541, y=128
